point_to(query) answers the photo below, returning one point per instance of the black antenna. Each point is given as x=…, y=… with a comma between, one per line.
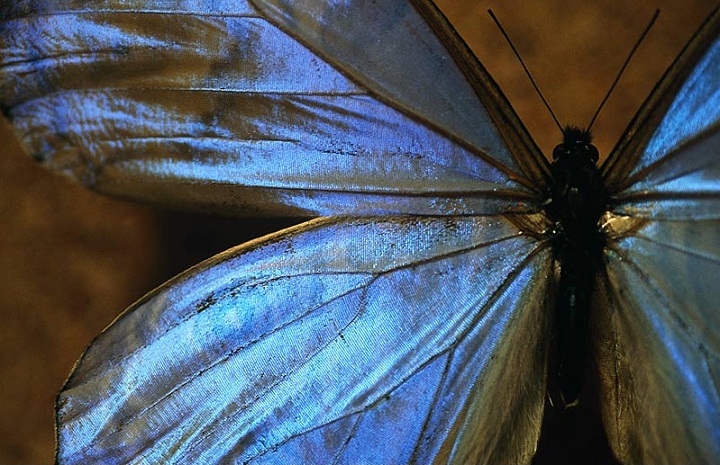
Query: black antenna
x=527, y=71
x=622, y=69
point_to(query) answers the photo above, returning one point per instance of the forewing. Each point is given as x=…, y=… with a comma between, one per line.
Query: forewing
x=340, y=341
x=412, y=56
x=224, y=106
x=666, y=165
x=658, y=316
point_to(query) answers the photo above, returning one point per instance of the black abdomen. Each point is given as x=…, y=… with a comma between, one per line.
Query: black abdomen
x=576, y=202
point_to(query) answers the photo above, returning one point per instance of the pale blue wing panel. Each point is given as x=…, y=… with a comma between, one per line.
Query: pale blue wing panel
x=177, y=103
x=668, y=163
x=658, y=323
x=658, y=316
x=411, y=56
x=319, y=343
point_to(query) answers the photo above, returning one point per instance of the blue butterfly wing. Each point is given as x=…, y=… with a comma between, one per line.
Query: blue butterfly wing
x=318, y=344
x=405, y=57
x=389, y=340
x=658, y=317
x=236, y=108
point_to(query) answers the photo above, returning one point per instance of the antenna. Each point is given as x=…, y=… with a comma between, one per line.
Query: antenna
x=527, y=71
x=622, y=69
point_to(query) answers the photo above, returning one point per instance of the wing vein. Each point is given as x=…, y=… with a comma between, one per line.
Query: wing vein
x=197, y=90
x=671, y=157
x=677, y=195
x=712, y=375
x=349, y=437
x=683, y=250
x=436, y=396
x=653, y=286
x=135, y=12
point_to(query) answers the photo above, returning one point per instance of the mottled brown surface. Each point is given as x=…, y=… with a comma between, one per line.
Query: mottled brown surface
x=71, y=260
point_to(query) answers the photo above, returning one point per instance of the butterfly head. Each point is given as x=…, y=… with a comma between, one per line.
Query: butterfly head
x=576, y=197
x=577, y=144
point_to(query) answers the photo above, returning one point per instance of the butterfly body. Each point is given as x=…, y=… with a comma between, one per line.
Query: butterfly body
x=576, y=202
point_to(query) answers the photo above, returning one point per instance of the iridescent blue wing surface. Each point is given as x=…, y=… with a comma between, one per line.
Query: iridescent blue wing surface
x=658, y=315
x=376, y=340
x=385, y=340
x=293, y=108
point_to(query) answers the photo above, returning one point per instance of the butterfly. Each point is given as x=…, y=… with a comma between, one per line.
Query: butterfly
x=412, y=323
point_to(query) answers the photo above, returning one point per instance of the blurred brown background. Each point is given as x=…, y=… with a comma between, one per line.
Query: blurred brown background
x=71, y=260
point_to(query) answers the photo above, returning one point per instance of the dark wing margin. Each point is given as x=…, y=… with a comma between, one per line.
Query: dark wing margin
x=317, y=344
x=233, y=110
x=522, y=147
x=657, y=316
